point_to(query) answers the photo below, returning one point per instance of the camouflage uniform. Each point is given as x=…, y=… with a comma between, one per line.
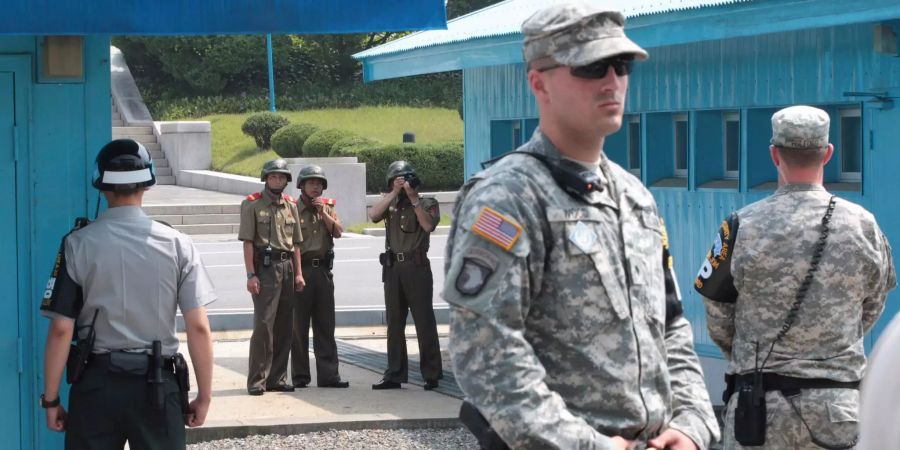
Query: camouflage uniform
x=768, y=248
x=558, y=317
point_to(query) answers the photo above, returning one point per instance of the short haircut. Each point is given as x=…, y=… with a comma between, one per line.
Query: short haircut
x=802, y=157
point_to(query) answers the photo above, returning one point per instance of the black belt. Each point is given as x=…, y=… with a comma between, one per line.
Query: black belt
x=787, y=385
x=276, y=254
x=102, y=360
x=409, y=256
x=314, y=262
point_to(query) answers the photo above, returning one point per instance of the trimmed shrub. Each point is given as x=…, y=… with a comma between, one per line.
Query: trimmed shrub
x=288, y=141
x=348, y=146
x=319, y=144
x=261, y=126
x=439, y=166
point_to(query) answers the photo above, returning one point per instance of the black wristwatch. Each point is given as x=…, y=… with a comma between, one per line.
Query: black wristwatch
x=250, y=275
x=49, y=404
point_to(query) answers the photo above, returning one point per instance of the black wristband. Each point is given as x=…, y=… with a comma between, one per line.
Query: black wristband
x=49, y=404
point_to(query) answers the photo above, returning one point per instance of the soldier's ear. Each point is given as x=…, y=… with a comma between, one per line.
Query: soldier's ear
x=776, y=158
x=537, y=83
x=829, y=152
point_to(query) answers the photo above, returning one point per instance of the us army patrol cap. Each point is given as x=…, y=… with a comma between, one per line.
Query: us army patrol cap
x=802, y=127
x=577, y=34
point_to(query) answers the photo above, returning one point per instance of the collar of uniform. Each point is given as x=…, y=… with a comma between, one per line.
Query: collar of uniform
x=542, y=145
x=270, y=198
x=800, y=187
x=123, y=212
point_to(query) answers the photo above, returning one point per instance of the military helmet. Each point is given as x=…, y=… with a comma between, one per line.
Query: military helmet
x=399, y=168
x=311, y=171
x=123, y=165
x=275, y=166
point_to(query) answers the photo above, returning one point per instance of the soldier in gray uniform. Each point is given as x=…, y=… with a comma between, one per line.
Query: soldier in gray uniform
x=121, y=279
x=566, y=326
x=791, y=286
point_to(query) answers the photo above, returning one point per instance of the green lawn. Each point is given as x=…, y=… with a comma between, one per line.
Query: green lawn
x=234, y=152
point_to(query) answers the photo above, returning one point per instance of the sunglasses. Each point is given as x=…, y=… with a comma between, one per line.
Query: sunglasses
x=622, y=65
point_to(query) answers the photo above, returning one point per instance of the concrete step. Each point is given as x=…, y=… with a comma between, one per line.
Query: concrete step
x=117, y=122
x=163, y=171
x=160, y=162
x=116, y=115
x=200, y=219
x=172, y=210
x=152, y=146
x=132, y=131
x=142, y=138
x=169, y=179
x=157, y=154
x=208, y=229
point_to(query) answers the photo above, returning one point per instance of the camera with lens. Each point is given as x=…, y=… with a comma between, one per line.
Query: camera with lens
x=412, y=179
x=267, y=256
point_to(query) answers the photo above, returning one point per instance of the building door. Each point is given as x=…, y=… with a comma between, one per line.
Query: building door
x=880, y=183
x=10, y=415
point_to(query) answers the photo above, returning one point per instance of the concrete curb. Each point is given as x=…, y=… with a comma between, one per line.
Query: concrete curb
x=285, y=427
x=440, y=230
x=243, y=319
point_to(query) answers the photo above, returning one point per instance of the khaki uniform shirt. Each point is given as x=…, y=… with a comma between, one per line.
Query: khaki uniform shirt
x=558, y=311
x=404, y=233
x=775, y=238
x=262, y=217
x=317, y=240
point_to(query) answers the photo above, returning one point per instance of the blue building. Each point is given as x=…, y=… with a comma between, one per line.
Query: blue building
x=697, y=122
x=54, y=117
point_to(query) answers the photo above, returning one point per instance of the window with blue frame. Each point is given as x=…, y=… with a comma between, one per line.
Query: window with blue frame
x=731, y=145
x=634, y=145
x=666, y=137
x=508, y=135
x=680, y=143
x=850, y=141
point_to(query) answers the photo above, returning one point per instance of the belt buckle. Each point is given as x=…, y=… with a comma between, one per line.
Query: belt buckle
x=400, y=257
x=315, y=262
x=285, y=256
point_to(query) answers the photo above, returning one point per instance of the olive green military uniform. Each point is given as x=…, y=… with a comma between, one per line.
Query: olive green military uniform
x=408, y=286
x=264, y=222
x=316, y=302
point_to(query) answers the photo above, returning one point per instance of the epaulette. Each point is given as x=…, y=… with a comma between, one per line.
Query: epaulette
x=288, y=198
x=254, y=196
x=328, y=201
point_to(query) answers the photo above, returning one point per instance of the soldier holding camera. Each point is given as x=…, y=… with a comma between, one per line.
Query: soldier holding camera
x=270, y=230
x=408, y=284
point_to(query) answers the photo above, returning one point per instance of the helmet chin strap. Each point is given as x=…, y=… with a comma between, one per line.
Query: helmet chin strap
x=275, y=191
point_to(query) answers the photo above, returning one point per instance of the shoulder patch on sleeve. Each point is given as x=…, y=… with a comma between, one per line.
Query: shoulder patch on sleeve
x=497, y=228
x=254, y=196
x=288, y=198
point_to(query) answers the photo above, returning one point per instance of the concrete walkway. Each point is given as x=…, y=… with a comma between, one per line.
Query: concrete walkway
x=234, y=414
x=165, y=195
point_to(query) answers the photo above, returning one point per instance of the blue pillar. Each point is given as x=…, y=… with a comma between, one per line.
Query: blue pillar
x=271, y=73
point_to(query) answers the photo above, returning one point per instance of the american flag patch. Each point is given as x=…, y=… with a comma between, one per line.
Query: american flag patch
x=497, y=228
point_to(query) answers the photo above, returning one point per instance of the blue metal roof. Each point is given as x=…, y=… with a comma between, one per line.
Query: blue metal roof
x=197, y=17
x=491, y=36
x=505, y=19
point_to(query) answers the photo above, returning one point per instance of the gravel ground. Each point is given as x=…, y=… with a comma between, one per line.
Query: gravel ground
x=454, y=438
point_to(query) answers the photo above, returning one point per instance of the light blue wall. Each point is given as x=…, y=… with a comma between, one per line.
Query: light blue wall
x=66, y=125
x=752, y=75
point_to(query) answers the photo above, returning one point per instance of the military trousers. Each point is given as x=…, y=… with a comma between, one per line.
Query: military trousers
x=810, y=420
x=273, y=308
x=408, y=287
x=315, y=304
x=106, y=409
